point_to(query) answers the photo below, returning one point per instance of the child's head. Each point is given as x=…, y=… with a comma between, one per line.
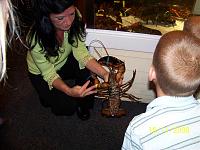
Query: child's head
x=192, y=25
x=176, y=62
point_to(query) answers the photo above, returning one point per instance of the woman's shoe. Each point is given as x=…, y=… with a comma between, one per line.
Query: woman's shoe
x=83, y=113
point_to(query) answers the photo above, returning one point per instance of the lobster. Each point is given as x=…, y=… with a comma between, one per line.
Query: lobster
x=112, y=91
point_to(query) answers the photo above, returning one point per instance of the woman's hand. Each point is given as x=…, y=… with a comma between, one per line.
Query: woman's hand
x=119, y=79
x=106, y=76
x=82, y=91
x=98, y=69
x=76, y=91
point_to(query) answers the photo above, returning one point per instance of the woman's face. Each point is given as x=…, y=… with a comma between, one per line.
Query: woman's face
x=64, y=20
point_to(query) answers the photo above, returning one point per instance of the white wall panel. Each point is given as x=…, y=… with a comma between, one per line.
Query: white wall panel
x=140, y=61
x=123, y=40
x=135, y=49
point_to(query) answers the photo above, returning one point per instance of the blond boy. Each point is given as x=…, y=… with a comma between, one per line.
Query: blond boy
x=172, y=120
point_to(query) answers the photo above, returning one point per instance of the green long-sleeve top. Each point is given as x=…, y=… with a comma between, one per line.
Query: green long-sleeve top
x=39, y=64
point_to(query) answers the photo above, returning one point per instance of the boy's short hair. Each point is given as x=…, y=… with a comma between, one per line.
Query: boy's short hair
x=192, y=25
x=177, y=63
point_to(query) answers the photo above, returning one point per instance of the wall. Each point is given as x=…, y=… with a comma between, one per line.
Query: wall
x=136, y=50
x=140, y=61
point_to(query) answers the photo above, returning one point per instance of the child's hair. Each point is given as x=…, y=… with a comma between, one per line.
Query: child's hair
x=6, y=18
x=177, y=63
x=192, y=25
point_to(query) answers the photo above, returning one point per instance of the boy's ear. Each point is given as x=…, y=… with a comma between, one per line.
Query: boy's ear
x=152, y=73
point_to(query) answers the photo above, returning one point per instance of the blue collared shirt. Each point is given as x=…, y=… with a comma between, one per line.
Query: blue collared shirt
x=168, y=123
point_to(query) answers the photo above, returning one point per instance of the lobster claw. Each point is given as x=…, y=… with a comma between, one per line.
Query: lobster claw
x=102, y=86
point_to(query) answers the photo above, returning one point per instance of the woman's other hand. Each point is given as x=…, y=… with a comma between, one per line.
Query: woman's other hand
x=82, y=91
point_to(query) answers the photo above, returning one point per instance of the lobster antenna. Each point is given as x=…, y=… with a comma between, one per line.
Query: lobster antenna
x=98, y=41
x=93, y=41
x=108, y=58
x=103, y=47
x=97, y=52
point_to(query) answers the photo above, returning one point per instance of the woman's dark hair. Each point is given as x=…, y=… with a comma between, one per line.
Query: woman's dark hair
x=43, y=30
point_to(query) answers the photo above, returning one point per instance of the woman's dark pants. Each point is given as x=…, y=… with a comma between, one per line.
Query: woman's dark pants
x=59, y=102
